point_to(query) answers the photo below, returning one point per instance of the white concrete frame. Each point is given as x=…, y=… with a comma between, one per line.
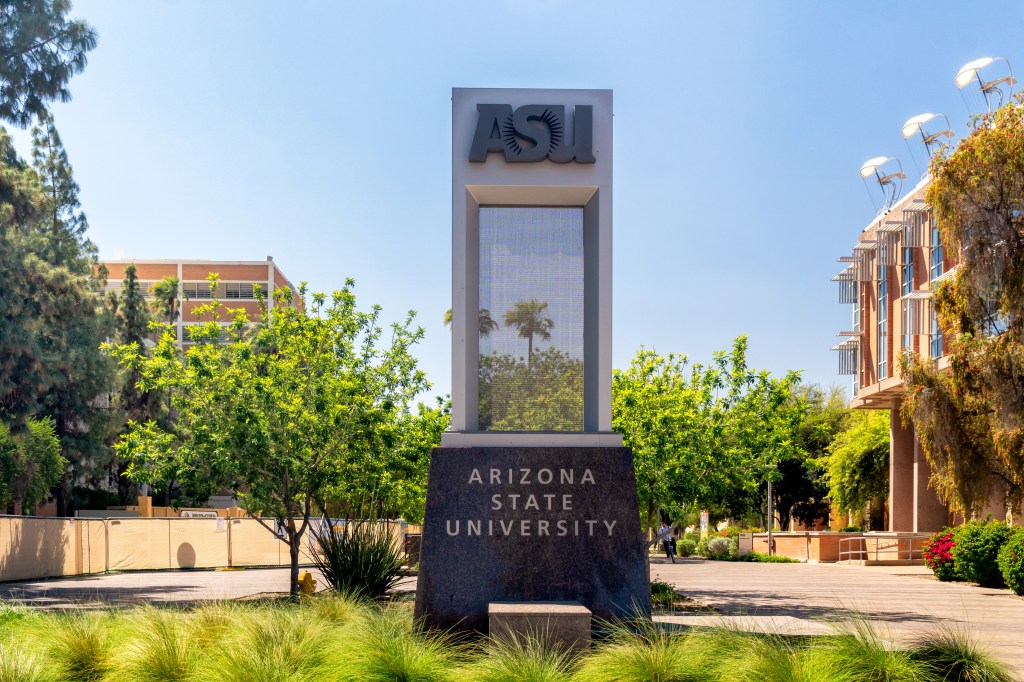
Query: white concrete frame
x=543, y=183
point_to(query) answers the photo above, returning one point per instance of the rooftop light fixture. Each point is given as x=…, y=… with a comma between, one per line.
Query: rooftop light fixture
x=1000, y=87
x=886, y=170
x=917, y=126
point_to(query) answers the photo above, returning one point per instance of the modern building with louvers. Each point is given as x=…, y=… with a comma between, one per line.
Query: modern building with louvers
x=889, y=278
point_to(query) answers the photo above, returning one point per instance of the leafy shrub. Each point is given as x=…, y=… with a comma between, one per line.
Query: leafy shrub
x=938, y=555
x=851, y=529
x=702, y=547
x=663, y=595
x=360, y=560
x=718, y=548
x=758, y=557
x=687, y=547
x=976, y=547
x=1011, y=561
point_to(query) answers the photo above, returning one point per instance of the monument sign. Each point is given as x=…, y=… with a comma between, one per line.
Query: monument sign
x=531, y=496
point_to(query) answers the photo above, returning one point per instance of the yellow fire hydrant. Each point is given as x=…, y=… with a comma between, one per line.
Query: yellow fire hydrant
x=307, y=584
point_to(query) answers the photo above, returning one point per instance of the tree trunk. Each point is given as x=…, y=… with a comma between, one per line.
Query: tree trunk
x=294, y=543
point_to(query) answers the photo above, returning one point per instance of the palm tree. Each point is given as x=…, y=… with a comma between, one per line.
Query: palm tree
x=528, y=319
x=165, y=298
x=485, y=322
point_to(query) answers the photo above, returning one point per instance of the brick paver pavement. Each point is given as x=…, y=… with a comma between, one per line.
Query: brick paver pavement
x=904, y=602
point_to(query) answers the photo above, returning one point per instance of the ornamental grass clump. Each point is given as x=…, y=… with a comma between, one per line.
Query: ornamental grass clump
x=644, y=654
x=518, y=658
x=19, y=665
x=938, y=555
x=80, y=648
x=1011, y=561
x=950, y=654
x=857, y=652
x=975, y=551
x=388, y=646
x=163, y=649
x=269, y=644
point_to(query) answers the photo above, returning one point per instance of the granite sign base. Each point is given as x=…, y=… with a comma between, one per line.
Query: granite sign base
x=530, y=524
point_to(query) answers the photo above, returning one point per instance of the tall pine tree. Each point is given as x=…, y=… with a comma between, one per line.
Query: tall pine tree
x=76, y=375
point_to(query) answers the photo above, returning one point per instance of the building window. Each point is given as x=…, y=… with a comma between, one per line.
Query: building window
x=936, y=252
x=883, y=315
x=197, y=290
x=935, y=335
x=908, y=270
x=240, y=291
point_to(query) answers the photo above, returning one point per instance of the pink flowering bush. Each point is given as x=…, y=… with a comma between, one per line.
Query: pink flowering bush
x=1011, y=561
x=938, y=555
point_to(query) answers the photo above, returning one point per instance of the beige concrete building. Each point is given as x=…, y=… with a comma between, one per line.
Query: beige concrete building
x=236, y=287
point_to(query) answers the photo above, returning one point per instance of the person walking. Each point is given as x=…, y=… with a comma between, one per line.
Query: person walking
x=667, y=541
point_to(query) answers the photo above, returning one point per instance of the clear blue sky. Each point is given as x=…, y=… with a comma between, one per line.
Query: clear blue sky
x=320, y=133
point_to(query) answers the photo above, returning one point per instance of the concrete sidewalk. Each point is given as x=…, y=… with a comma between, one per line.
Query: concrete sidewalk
x=159, y=587
x=904, y=602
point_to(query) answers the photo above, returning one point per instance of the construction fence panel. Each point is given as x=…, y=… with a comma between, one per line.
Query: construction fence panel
x=198, y=543
x=32, y=547
x=138, y=544
x=254, y=545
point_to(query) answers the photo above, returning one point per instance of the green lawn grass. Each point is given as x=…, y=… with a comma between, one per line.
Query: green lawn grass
x=332, y=638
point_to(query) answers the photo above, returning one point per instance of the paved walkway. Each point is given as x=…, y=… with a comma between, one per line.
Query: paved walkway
x=903, y=602
x=182, y=587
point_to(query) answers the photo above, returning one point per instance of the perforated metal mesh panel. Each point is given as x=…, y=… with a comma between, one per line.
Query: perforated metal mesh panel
x=531, y=318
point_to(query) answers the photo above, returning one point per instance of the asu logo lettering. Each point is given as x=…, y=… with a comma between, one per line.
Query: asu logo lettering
x=533, y=132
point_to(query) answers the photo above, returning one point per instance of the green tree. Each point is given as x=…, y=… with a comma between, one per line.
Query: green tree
x=801, y=492
x=30, y=464
x=485, y=323
x=280, y=412
x=528, y=317
x=970, y=418
x=166, y=301
x=546, y=395
x=23, y=291
x=703, y=436
x=70, y=324
x=131, y=402
x=856, y=468
x=40, y=50
x=63, y=232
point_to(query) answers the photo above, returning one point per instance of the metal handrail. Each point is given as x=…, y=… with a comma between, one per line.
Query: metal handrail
x=901, y=543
